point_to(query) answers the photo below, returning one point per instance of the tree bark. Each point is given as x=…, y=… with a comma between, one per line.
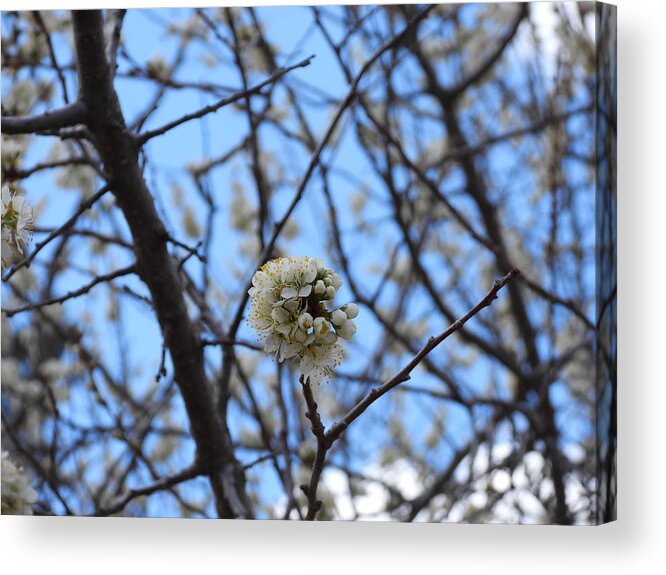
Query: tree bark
x=119, y=153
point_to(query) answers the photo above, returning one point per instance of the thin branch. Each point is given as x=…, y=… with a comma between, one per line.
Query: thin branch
x=72, y=294
x=21, y=174
x=37, y=17
x=336, y=430
x=557, y=300
x=534, y=127
x=50, y=476
x=192, y=251
x=352, y=94
x=259, y=460
x=112, y=49
x=494, y=56
x=143, y=138
x=226, y=341
x=159, y=485
x=325, y=439
x=318, y=430
x=86, y=205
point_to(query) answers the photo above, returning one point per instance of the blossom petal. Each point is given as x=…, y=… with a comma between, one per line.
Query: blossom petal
x=289, y=292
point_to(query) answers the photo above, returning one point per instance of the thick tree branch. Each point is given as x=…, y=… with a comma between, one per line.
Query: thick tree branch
x=64, y=117
x=155, y=266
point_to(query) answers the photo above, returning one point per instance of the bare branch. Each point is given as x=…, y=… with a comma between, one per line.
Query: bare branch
x=64, y=117
x=224, y=341
x=159, y=485
x=325, y=439
x=22, y=174
x=112, y=49
x=557, y=300
x=310, y=490
x=84, y=206
x=72, y=294
x=336, y=430
x=143, y=138
x=156, y=267
x=37, y=17
x=316, y=155
x=495, y=55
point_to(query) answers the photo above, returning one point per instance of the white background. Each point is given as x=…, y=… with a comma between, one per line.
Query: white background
x=635, y=543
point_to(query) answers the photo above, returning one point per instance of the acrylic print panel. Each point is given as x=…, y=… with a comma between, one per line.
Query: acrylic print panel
x=310, y=262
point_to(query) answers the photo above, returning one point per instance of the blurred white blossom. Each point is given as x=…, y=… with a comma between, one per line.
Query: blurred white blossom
x=17, y=225
x=290, y=298
x=17, y=493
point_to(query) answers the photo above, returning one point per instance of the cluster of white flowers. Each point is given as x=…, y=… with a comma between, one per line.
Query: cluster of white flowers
x=17, y=493
x=290, y=311
x=17, y=225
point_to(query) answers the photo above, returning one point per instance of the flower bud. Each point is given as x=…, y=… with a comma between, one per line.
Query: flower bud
x=336, y=282
x=338, y=317
x=320, y=288
x=330, y=292
x=351, y=310
x=347, y=329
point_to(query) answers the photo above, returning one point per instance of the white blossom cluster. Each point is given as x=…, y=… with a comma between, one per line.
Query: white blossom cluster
x=17, y=225
x=291, y=298
x=17, y=493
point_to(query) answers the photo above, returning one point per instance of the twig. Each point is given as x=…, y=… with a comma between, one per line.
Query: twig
x=336, y=430
x=143, y=138
x=325, y=439
x=259, y=460
x=557, y=300
x=72, y=294
x=161, y=370
x=495, y=55
x=37, y=17
x=316, y=155
x=112, y=50
x=86, y=205
x=159, y=485
x=318, y=430
x=226, y=341
x=193, y=251
x=27, y=172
